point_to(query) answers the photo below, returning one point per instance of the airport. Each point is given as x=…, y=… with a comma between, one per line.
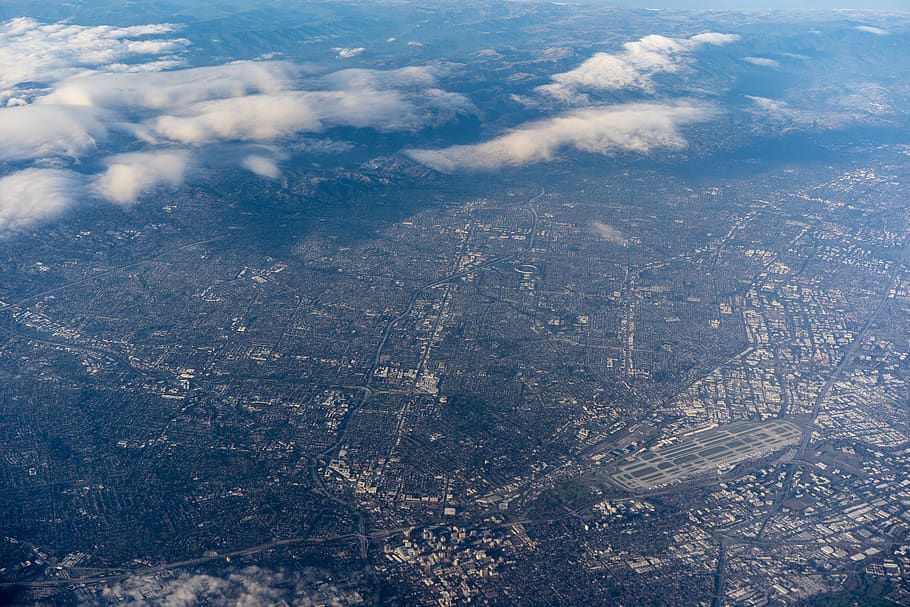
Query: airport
x=704, y=451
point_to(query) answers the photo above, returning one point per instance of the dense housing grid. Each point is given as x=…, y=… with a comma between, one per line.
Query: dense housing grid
x=483, y=330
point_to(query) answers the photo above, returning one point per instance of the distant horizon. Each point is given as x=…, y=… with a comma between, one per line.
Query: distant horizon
x=871, y=5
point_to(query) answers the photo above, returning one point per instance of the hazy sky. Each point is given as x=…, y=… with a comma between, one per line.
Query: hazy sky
x=899, y=5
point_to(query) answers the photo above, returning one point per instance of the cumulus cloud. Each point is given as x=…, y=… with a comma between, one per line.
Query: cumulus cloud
x=406, y=77
x=778, y=111
x=609, y=233
x=872, y=30
x=636, y=127
x=251, y=587
x=259, y=101
x=715, y=38
x=347, y=53
x=762, y=61
x=33, y=195
x=129, y=175
x=266, y=117
x=401, y=99
x=257, y=117
x=33, y=131
x=164, y=91
x=247, y=587
x=64, y=89
x=633, y=67
x=418, y=84
x=262, y=166
x=31, y=51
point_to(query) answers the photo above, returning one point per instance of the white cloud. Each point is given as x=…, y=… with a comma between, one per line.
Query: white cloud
x=260, y=101
x=31, y=51
x=267, y=117
x=633, y=67
x=609, y=233
x=262, y=166
x=347, y=53
x=714, y=38
x=872, y=30
x=391, y=100
x=31, y=131
x=780, y=113
x=129, y=175
x=247, y=587
x=387, y=110
x=247, y=100
x=34, y=195
x=636, y=127
x=65, y=88
x=256, y=117
x=167, y=90
x=149, y=66
x=762, y=61
x=251, y=587
x=417, y=84
x=406, y=77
